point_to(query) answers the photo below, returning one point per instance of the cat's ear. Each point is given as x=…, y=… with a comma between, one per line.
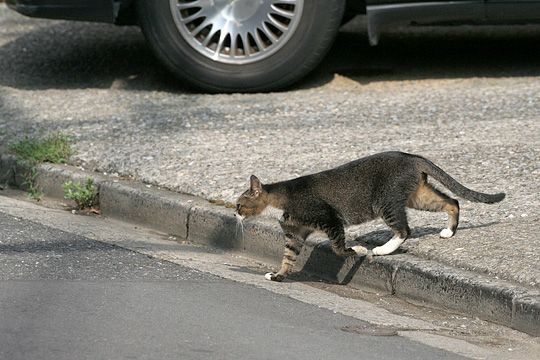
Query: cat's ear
x=255, y=185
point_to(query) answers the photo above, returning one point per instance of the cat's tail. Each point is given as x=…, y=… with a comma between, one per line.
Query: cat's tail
x=429, y=168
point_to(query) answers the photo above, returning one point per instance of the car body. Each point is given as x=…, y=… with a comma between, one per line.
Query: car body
x=107, y=11
x=284, y=39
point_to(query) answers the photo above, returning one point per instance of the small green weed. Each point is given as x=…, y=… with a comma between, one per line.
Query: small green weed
x=85, y=196
x=30, y=182
x=55, y=148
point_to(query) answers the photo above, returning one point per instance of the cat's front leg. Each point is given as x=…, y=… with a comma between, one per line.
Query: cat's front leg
x=397, y=221
x=293, y=246
x=295, y=236
x=274, y=277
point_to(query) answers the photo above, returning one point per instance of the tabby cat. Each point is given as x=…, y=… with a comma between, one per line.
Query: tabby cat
x=378, y=186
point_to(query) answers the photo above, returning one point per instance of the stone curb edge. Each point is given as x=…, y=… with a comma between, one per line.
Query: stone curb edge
x=197, y=220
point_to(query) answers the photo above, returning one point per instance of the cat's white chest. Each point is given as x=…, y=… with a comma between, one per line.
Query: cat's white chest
x=272, y=212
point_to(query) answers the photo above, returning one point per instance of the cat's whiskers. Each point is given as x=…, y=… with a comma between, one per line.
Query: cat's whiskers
x=240, y=227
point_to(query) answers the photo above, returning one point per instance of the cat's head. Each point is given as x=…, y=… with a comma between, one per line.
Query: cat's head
x=253, y=201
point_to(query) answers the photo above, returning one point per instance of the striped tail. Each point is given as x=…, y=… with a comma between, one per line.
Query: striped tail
x=426, y=166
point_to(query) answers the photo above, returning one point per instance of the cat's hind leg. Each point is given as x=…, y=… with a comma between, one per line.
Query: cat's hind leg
x=324, y=217
x=428, y=198
x=295, y=236
x=395, y=217
x=334, y=228
x=336, y=233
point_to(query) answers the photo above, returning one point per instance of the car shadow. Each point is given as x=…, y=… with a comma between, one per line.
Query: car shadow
x=78, y=55
x=417, y=53
x=379, y=237
x=73, y=55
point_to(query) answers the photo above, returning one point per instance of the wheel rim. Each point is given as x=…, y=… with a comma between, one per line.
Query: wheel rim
x=236, y=31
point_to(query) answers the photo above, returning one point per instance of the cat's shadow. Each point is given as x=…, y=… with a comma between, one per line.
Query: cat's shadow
x=379, y=237
x=333, y=269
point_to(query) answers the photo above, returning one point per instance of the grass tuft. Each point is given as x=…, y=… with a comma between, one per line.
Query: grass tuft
x=55, y=148
x=85, y=196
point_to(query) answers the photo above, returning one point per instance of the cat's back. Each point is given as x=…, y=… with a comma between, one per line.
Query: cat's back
x=388, y=162
x=364, y=173
x=382, y=164
x=356, y=187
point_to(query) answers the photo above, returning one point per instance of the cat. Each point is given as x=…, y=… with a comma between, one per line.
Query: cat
x=377, y=186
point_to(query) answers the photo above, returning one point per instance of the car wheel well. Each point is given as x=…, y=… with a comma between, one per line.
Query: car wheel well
x=126, y=13
x=355, y=7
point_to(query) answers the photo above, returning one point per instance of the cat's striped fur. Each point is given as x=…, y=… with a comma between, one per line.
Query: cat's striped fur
x=378, y=186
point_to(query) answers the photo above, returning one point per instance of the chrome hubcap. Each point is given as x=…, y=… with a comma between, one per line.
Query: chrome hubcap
x=236, y=31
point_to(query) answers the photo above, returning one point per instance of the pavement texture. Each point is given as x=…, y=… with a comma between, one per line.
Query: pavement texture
x=30, y=251
x=65, y=296
x=468, y=99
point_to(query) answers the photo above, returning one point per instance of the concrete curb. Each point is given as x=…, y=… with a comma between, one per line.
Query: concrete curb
x=197, y=220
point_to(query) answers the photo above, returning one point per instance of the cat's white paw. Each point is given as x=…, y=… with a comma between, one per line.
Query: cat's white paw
x=360, y=250
x=268, y=276
x=389, y=247
x=446, y=233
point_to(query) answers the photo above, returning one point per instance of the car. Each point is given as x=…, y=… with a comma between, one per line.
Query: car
x=264, y=45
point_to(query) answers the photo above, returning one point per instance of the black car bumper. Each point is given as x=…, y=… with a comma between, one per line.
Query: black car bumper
x=84, y=10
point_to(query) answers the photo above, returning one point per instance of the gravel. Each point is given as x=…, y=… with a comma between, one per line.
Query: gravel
x=468, y=99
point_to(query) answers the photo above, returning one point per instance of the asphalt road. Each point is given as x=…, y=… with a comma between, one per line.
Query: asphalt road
x=63, y=296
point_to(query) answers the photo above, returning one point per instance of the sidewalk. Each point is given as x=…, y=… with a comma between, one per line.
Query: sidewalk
x=211, y=155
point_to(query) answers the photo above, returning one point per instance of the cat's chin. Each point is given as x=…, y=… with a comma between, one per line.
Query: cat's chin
x=239, y=217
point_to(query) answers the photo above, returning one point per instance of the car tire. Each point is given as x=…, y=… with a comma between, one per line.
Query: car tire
x=300, y=51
